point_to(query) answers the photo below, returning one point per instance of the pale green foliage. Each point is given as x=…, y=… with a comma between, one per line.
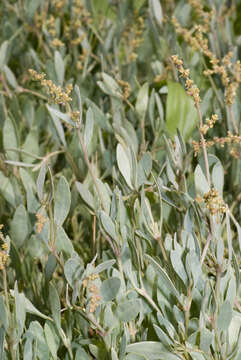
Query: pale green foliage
x=124, y=259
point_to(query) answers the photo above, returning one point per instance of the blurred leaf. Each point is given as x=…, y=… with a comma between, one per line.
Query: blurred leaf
x=3, y=54
x=20, y=312
x=31, y=7
x=104, y=266
x=156, y=11
x=20, y=226
x=10, y=77
x=41, y=180
x=59, y=114
x=85, y=194
x=138, y=4
x=128, y=310
x=3, y=313
x=142, y=100
x=218, y=177
x=37, y=333
x=162, y=336
x=206, y=338
x=177, y=264
x=77, y=92
x=152, y=350
x=62, y=201
x=180, y=111
x=56, y=115
x=73, y=271
x=59, y=67
x=105, y=194
x=31, y=145
x=54, y=305
x=108, y=225
x=63, y=243
x=124, y=164
x=50, y=341
x=109, y=288
x=81, y=354
x=89, y=126
x=163, y=276
x=10, y=139
x=201, y=183
x=224, y=316
x=7, y=190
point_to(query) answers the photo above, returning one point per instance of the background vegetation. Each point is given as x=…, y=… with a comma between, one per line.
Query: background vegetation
x=120, y=179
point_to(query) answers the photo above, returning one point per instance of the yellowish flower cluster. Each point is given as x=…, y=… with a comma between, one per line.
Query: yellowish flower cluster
x=126, y=88
x=75, y=116
x=209, y=124
x=191, y=88
x=41, y=220
x=82, y=57
x=230, y=73
x=57, y=43
x=4, y=250
x=94, y=291
x=58, y=4
x=95, y=297
x=134, y=38
x=57, y=94
x=214, y=202
x=229, y=139
x=204, y=16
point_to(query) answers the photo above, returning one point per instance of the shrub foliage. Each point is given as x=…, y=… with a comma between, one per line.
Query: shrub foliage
x=120, y=180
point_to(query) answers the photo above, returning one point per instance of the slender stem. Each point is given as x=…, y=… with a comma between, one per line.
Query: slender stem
x=232, y=118
x=214, y=86
x=92, y=319
x=206, y=248
x=217, y=296
x=35, y=93
x=187, y=309
x=85, y=153
x=52, y=232
x=143, y=145
x=5, y=85
x=94, y=235
x=11, y=340
x=143, y=293
x=204, y=148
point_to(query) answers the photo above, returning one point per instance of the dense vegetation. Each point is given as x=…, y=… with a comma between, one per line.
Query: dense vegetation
x=120, y=179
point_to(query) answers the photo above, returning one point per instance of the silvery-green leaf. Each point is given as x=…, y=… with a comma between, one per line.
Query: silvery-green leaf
x=124, y=163
x=62, y=201
x=20, y=226
x=201, y=183
x=3, y=54
x=59, y=67
x=10, y=77
x=128, y=310
x=224, y=316
x=109, y=288
x=85, y=194
x=7, y=190
x=50, y=341
x=156, y=10
x=218, y=177
x=63, y=243
x=89, y=126
x=104, y=266
x=65, y=117
x=108, y=225
x=163, y=275
x=10, y=139
x=142, y=100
